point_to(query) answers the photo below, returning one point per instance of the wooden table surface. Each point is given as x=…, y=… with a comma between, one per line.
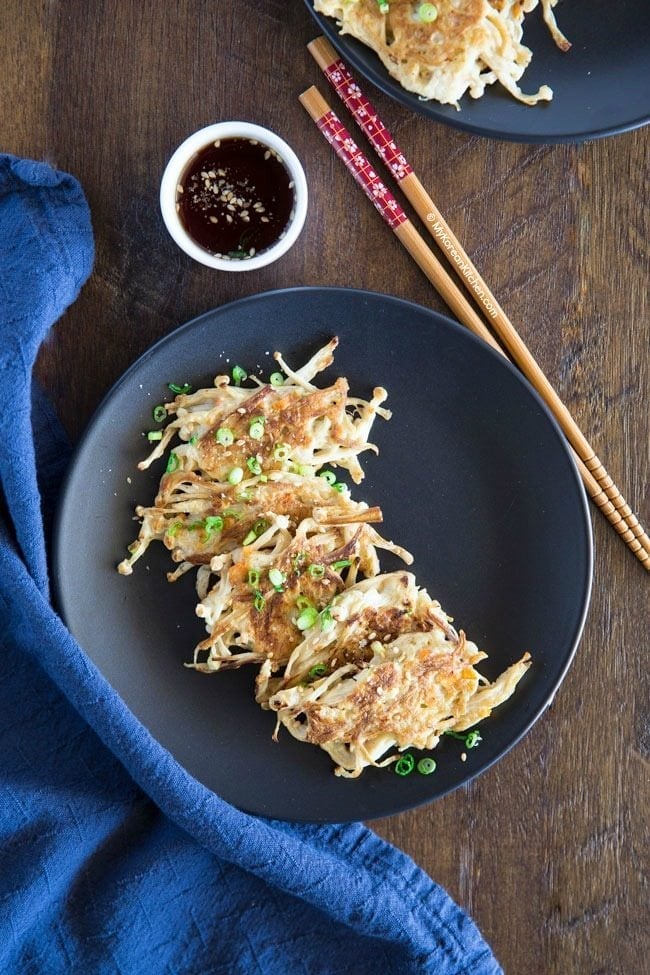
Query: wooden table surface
x=547, y=850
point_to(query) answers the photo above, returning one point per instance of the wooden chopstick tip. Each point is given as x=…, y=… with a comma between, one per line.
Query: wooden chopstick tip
x=322, y=52
x=314, y=103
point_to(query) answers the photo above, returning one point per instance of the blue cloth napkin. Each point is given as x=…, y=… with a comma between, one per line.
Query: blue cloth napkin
x=112, y=858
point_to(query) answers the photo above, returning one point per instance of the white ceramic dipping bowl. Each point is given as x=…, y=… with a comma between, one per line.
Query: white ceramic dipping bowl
x=179, y=162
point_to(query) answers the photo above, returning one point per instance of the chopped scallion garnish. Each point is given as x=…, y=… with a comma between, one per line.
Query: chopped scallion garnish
x=281, y=451
x=328, y=476
x=427, y=12
x=326, y=618
x=405, y=764
x=254, y=465
x=426, y=766
x=175, y=388
x=318, y=670
x=194, y=440
x=154, y=435
x=276, y=379
x=253, y=578
x=339, y=486
x=298, y=560
x=159, y=413
x=259, y=602
x=173, y=463
x=256, y=429
x=276, y=578
x=214, y=523
x=239, y=375
x=469, y=738
x=316, y=571
x=307, y=618
x=341, y=564
x=235, y=475
x=224, y=436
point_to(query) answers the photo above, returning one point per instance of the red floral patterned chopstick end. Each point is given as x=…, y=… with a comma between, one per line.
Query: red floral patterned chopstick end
x=347, y=150
x=366, y=118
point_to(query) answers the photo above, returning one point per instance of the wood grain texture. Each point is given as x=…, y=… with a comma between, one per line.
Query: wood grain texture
x=548, y=850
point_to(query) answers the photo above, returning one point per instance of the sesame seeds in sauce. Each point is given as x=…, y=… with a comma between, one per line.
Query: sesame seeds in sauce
x=235, y=198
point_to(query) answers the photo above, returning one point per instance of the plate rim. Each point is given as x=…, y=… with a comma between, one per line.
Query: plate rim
x=586, y=585
x=349, y=48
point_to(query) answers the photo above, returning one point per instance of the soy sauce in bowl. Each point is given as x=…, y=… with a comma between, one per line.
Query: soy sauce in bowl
x=235, y=198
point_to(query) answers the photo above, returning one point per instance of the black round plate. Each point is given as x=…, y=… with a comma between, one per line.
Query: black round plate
x=473, y=477
x=601, y=85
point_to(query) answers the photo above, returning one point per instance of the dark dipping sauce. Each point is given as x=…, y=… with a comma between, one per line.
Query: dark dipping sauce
x=235, y=198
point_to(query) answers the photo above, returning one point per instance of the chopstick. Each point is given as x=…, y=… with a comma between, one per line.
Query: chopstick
x=382, y=141
x=393, y=214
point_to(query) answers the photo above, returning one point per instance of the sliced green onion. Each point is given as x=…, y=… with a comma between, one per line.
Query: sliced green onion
x=316, y=571
x=173, y=463
x=174, y=528
x=307, y=618
x=303, y=603
x=259, y=602
x=235, y=475
x=383, y=6
x=339, y=486
x=224, y=436
x=254, y=465
x=298, y=560
x=426, y=766
x=281, y=451
x=276, y=379
x=263, y=478
x=326, y=618
x=470, y=738
x=256, y=429
x=318, y=670
x=154, y=435
x=159, y=413
x=328, y=476
x=175, y=388
x=231, y=513
x=194, y=526
x=405, y=764
x=427, y=12
x=239, y=375
x=260, y=526
x=341, y=564
x=302, y=469
x=194, y=440
x=276, y=577
x=250, y=538
x=253, y=578
x=214, y=523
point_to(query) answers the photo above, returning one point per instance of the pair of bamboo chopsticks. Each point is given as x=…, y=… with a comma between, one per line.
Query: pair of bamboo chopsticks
x=599, y=485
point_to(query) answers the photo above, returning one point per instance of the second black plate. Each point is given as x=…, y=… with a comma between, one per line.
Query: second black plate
x=601, y=85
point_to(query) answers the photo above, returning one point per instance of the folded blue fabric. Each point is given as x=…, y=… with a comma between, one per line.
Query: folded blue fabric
x=113, y=858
